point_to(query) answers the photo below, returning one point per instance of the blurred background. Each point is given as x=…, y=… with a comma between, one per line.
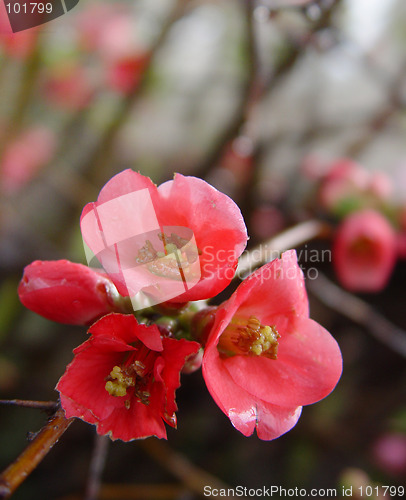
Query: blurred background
x=259, y=98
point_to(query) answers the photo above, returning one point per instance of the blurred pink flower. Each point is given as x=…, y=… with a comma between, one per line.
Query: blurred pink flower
x=25, y=156
x=113, y=35
x=389, y=453
x=364, y=251
x=18, y=45
x=346, y=187
x=266, y=221
x=123, y=75
x=380, y=185
x=264, y=357
x=340, y=188
x=68, y=86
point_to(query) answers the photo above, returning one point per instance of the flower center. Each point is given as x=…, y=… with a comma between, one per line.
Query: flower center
x=249, y=338
x=136, y=372
x=174, y=262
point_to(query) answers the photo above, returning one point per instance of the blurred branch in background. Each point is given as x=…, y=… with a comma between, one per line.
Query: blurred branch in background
x=360, y=312
x=237, y=92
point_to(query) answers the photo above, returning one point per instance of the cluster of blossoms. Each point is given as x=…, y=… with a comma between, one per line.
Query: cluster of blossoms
x=371, y=233
x=107, y=36
x=105, y=54
x=262, y=357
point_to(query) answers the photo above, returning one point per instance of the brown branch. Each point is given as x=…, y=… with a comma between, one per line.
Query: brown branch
x=396, y=103
x=360, y=312
x=256, y=88
x=248, y=95
x=38, y=405
x=271, y=249
x=17, y=472
x=194, y=478
x=101, y=153
x=26, y=88
x=97, y=464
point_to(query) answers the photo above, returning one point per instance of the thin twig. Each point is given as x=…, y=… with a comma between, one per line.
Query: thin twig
x=194, y=478
x=17, y=472
x=39, y=405
x=97, y=464
x=360, y=312
x=256, y=88
x=101, y=153
x=25, y=91
x=247, y=97
x=396, y=103
x=271, y=249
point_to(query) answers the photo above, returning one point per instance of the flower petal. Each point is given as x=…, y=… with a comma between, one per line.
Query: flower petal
x=217, y=224
x=84, y=380
x=175, y=354
x=274, y=290
x=137, y=422
x=308, y=367
x=273, y=421
x=245, y=411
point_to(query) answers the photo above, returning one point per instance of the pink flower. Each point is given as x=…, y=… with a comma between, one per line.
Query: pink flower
x=342, y=185
x=69, y=87
x=123, y=379
x=347, y=186
x=389, y=453
x=364, y=251
x=179, y=241
x=25, y=156
x=125, y=74
x=92, y=21
x=265, y=358
x=18, y=45
x=66, y=292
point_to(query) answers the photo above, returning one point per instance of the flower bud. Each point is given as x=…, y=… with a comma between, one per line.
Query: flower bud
x=66, y=292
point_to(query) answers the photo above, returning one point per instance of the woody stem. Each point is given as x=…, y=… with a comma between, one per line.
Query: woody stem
x=17, y=472
x=290, y=238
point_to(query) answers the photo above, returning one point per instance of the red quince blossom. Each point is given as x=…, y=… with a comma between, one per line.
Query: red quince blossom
x=264, y=357
x=66, y=292
x=132, y=219
x=123, y=379
x=364, y=251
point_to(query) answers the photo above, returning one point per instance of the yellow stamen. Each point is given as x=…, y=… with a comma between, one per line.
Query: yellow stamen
x=118, y=382
x=250, y=338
